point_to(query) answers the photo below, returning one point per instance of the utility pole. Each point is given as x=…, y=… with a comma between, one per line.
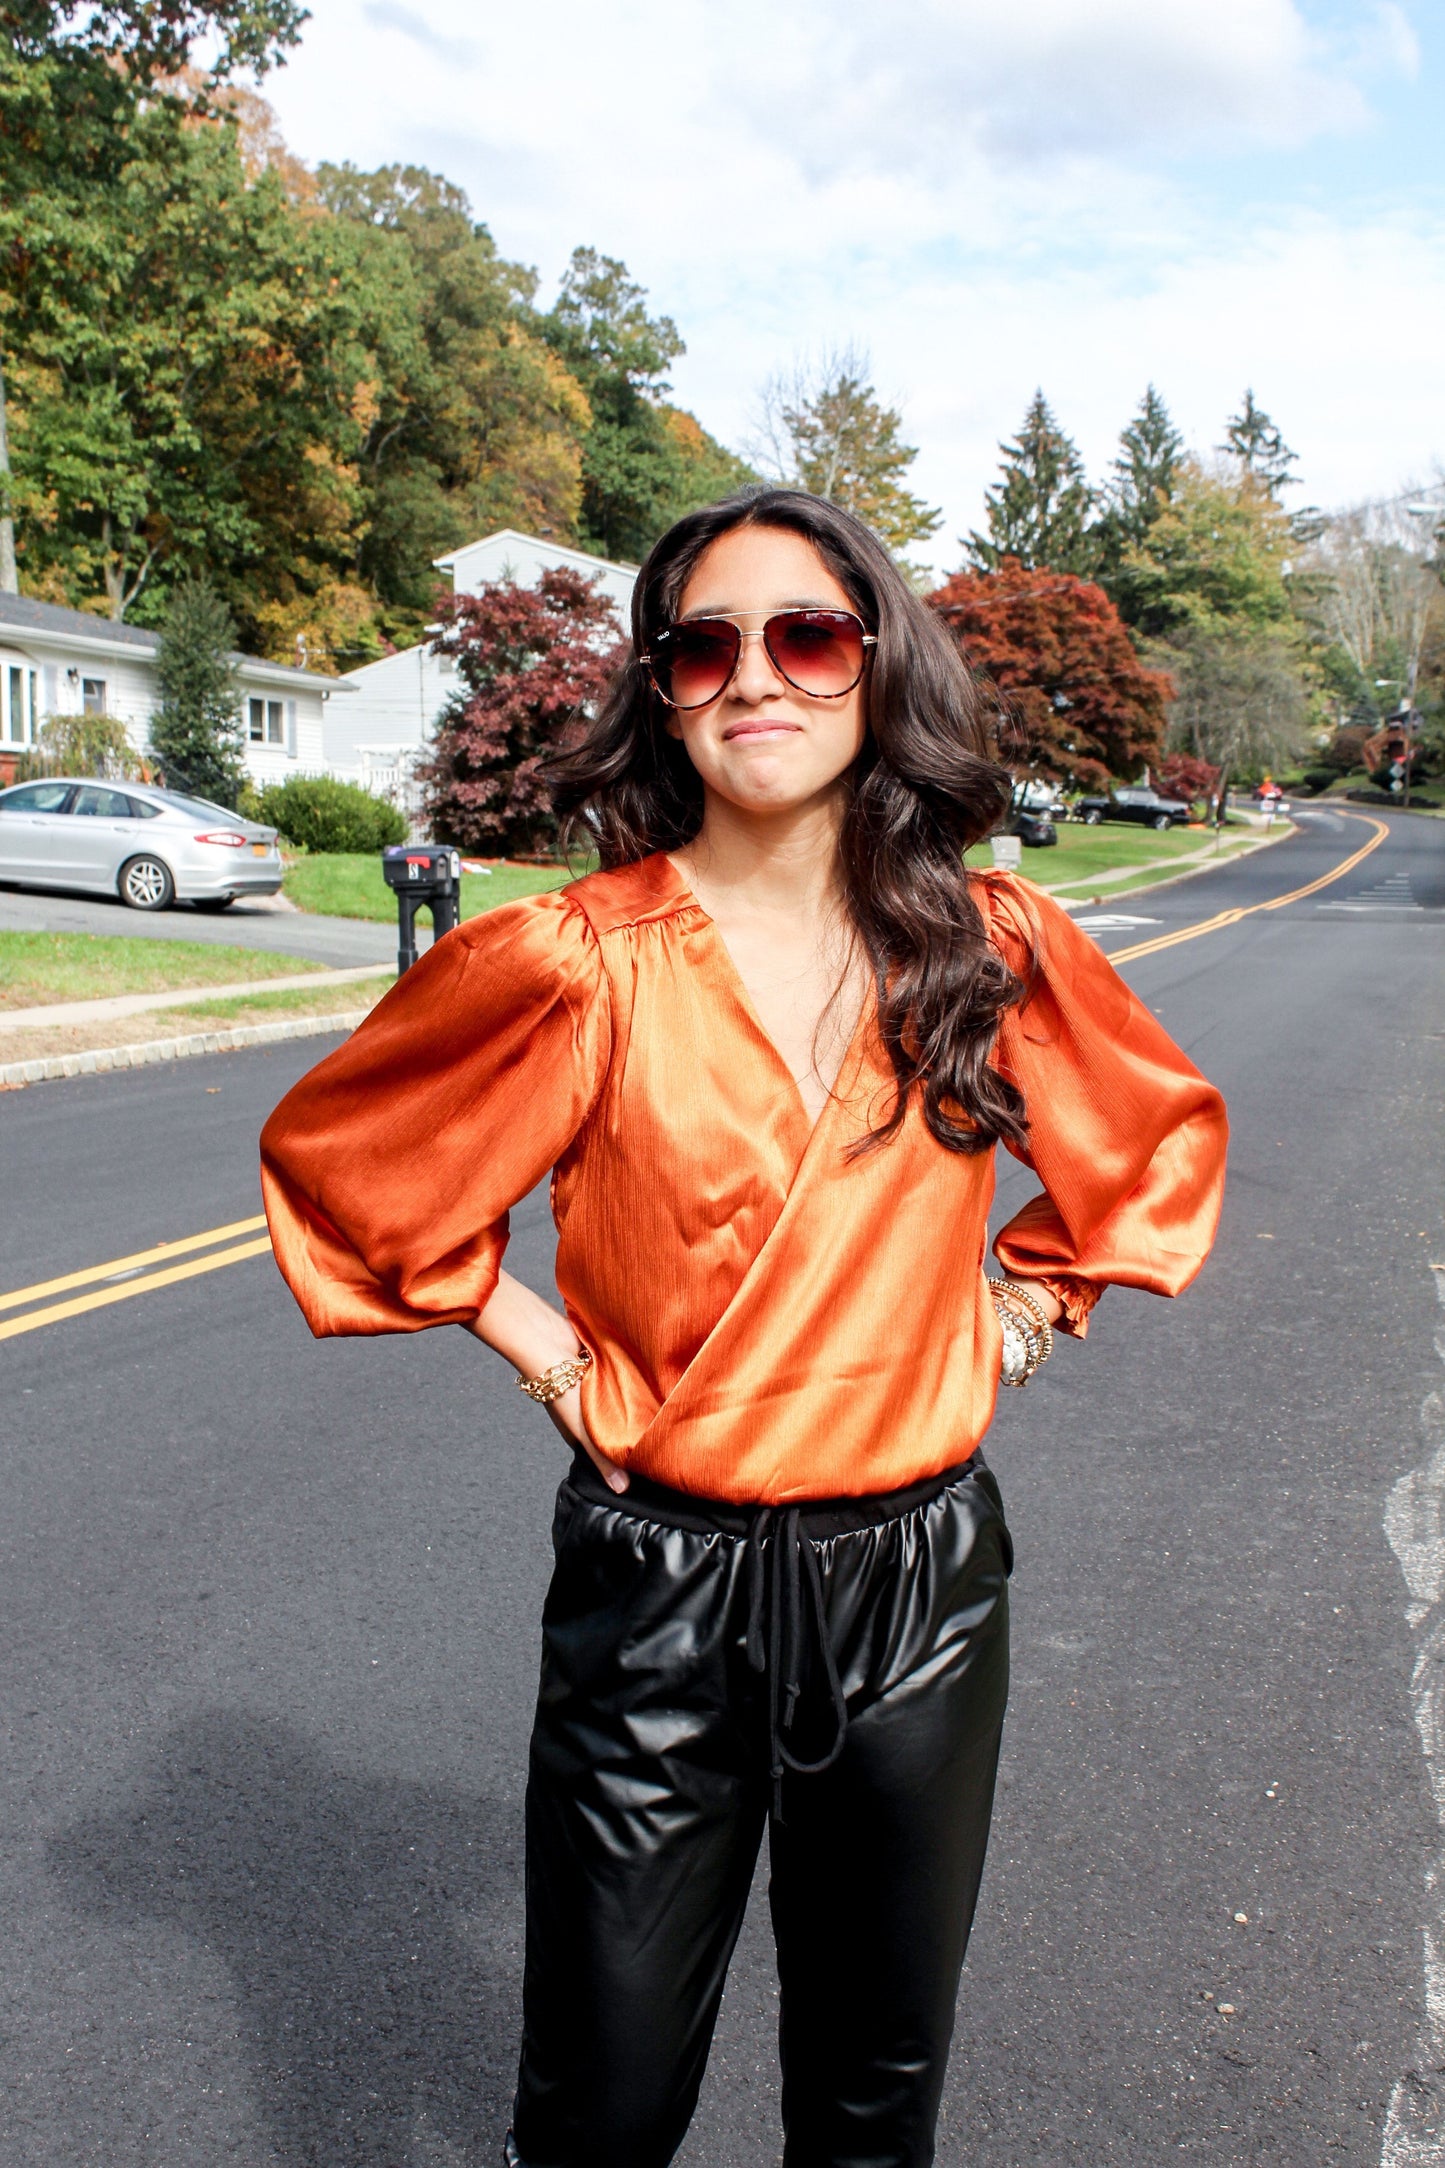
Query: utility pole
x=9, y=582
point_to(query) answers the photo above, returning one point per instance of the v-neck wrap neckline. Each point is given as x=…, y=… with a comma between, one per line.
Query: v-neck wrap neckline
x=742, y=996
x=773, y=1317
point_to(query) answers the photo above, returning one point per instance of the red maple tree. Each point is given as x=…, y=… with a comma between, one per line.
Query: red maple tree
x=1073, y=701
x=1187, y=777
x=529, y=658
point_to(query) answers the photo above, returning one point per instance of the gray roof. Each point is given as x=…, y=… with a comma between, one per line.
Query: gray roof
x=21, y=613
x=32, y=616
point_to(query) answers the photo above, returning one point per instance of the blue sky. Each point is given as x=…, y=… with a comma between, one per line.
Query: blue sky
x=1080, y=194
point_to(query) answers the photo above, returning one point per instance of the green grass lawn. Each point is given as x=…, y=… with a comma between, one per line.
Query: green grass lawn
x=1083, y=854
x=37, y=967
x=266, y=1008
x=348, y=884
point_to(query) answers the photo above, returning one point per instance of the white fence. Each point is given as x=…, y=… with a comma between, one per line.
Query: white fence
x=390, y=772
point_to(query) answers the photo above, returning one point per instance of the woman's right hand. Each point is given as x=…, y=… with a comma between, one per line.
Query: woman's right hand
x=566, y=1413
x=532, y=1336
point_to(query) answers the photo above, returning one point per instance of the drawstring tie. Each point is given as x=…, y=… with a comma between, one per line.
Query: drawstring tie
x=778, y=1571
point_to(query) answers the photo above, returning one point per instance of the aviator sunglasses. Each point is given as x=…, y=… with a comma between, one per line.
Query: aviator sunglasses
x=818, y=652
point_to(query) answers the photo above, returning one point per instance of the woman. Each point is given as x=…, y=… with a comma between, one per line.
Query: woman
x=766, y=1051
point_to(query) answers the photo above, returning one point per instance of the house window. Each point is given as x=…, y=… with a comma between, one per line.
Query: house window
x=92, y=696
x=267, y=722
x=17, y=708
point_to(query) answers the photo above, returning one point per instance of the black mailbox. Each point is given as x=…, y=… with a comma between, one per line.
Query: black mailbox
x=422, y=873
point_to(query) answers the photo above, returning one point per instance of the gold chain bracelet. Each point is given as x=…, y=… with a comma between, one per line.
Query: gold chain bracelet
x=1016, y=1307
x=549, y=1385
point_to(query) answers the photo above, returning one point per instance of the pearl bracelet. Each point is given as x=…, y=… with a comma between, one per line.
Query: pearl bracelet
x=1028, y=1335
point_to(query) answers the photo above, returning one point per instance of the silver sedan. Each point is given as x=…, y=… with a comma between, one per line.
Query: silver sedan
x=150, y=847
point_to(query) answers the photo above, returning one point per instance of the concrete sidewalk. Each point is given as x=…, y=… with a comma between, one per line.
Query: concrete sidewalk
x=112, y=1006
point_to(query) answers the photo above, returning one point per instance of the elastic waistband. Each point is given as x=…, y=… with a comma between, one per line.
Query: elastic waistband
x=816, y=1518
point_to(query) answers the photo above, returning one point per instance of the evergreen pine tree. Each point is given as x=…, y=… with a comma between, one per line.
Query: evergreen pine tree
x=1039, y=510
x=1150, y=449
x=195, y=734
x=1256, y=442
x=1142, y=484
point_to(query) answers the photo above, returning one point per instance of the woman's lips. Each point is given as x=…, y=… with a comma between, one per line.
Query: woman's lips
x=760, y=730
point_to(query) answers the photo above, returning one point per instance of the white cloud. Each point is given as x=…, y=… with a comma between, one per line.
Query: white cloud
x=988, y=196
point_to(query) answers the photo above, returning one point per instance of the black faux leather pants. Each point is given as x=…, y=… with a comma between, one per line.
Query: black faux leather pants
x=844, y=1666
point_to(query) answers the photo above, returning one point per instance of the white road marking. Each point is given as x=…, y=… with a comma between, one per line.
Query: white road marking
x=1393, y=893
x=1109, y=922
x=1415, y=1526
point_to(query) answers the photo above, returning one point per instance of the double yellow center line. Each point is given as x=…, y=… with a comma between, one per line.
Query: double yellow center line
x=133, y=1275
x=1275, y=903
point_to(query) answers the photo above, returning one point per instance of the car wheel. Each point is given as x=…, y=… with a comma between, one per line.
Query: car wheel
x=214, y=903
x=1160, y=822
x=1093, y=817
x=145, y=884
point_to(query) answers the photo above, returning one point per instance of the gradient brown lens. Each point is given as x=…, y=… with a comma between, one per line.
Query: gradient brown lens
x=818, y=651
x=695, y=662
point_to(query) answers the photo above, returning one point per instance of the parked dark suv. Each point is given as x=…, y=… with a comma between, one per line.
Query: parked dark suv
x=1136, y=803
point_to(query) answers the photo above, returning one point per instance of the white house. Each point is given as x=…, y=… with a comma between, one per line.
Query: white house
x=66, y=662
x=374, y=738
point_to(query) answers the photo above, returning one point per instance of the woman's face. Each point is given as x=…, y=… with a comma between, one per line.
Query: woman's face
x=762, y=745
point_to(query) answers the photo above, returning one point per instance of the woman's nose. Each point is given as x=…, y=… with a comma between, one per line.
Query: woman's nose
x=757, y=675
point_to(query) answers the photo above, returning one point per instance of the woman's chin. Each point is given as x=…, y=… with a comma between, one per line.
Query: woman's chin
x=770, y=784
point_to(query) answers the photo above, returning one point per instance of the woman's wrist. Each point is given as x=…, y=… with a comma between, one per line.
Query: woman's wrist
x=1044, y=1296
x=524, y=1329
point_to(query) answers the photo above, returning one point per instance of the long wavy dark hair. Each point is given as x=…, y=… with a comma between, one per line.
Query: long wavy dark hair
x=923, y=788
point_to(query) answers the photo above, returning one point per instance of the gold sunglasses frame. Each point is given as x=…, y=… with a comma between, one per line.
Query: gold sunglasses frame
x=648, y=659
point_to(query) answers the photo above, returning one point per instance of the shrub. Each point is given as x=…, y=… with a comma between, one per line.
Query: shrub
x=322, y=814
x=88, y=745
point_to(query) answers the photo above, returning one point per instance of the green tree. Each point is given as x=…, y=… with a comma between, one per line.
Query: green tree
x=1213, y=557
x=1254, y=440
x=471, y=421
x=1142, y=482
x=195, y=733
x=65, y=77
x=644, y=461
x=828, y=432
x=1241, y=697
x=146, y=40
x=1039, y=511
x=186, y=348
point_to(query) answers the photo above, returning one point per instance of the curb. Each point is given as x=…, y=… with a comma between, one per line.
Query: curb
x=100, y=1061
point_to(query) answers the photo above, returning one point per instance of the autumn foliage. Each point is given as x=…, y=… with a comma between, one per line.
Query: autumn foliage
x=1074, y=703
x=528, y=657
x=1186, y=777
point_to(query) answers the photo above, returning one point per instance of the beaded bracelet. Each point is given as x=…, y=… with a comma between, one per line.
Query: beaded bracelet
x=549, y=1385
x=1022, y=1317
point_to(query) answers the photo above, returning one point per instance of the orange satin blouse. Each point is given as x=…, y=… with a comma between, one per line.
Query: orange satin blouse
x=771, y=1320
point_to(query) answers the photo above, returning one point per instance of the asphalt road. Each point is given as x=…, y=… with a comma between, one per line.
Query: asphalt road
x=268, y=1640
